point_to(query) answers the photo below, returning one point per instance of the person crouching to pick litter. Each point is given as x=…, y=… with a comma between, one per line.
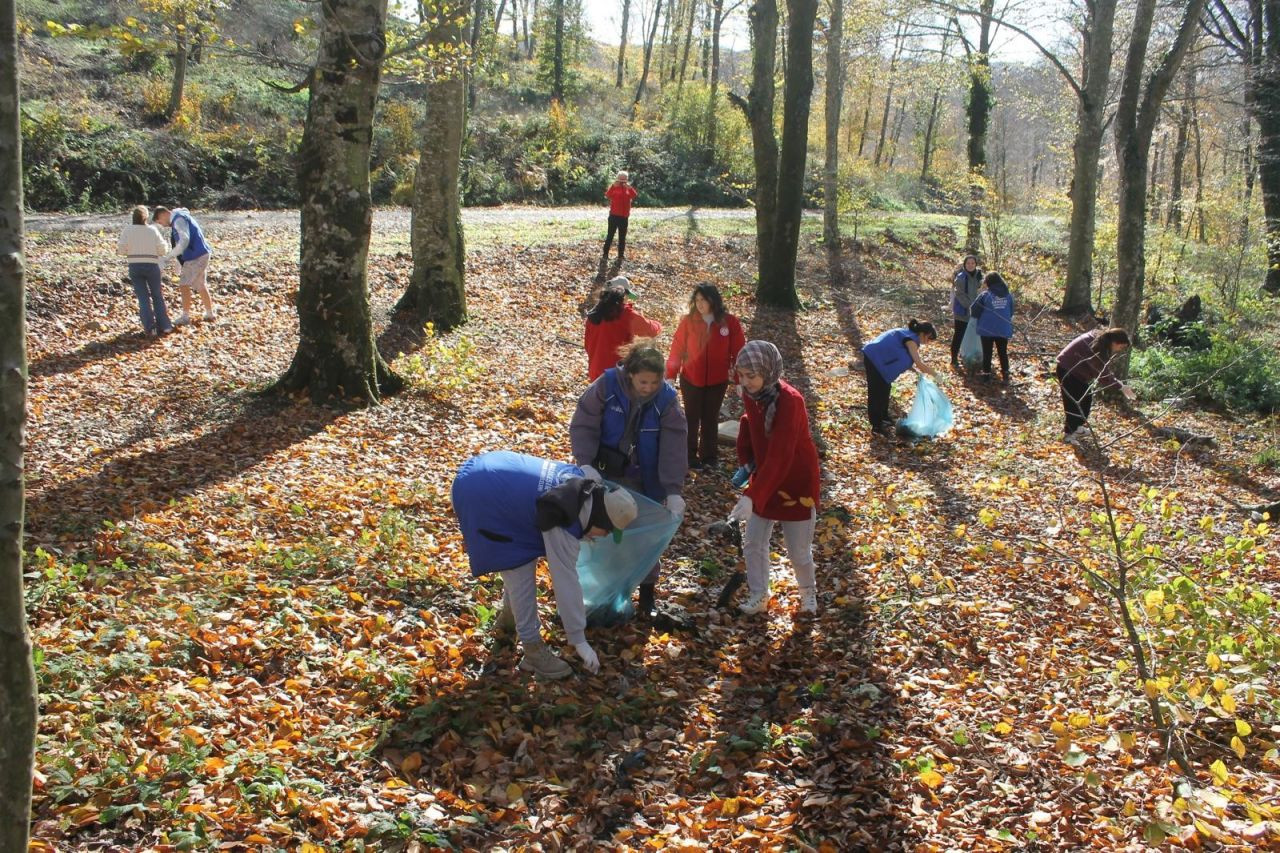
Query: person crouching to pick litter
x=773, y=436
x=887, y=357
x=515, y=508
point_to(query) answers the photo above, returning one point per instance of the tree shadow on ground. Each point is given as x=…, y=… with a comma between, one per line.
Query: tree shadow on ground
x=253, y=427
x=123, y=343
x=1004, y=400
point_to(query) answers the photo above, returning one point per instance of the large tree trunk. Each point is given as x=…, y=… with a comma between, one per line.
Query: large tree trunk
x=979, y=115
x=179, y=77
x=778, y=287
x=17, y=679
x=557, y=56
x=1086, y=149
x=1136, y=114
x=336, y=356
x=833, y=96
x=436, y=291
x=622, y=44
x=717, y=19
x=758, y=108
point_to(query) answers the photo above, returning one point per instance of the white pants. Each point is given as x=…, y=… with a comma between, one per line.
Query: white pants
x=799, y=538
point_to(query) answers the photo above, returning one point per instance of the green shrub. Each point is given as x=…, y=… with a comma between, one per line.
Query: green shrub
x=1235, y=373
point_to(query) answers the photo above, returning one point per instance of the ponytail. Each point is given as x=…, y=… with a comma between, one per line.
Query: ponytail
x=922, y=327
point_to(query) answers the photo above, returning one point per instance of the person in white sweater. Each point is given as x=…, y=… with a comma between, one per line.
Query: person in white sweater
x=144, y=245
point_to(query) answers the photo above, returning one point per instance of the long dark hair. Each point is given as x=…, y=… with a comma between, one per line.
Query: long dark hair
x=711, y=293
x=609, y=305
x=922, y=327
x=1115, y=335
x=641, y=356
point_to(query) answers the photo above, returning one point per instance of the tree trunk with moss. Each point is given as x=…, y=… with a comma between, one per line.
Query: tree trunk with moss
x=337, y=358
x=17, y=679
x=436, y=291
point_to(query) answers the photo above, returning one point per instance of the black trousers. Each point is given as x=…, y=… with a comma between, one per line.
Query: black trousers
x=877, y=395
x=1002, y=347
x=956, y=336
x=702, y=409
x=1077, y=400
x=618, y=225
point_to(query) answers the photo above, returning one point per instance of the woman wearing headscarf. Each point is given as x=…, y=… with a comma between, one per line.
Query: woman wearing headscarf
x=775, y=445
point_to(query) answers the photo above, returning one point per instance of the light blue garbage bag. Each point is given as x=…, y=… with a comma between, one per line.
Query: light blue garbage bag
x=930, y=414
x=971, y=345
x=610, y=571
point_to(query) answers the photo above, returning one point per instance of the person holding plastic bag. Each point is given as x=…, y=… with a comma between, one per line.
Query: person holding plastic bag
x=774, y=439
x=1084, y=364
x=629, y=428
x=515, y=508
x=965, y=285
x=993, y=312
x=886, y=358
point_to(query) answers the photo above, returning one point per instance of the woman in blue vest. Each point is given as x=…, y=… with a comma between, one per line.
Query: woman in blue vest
x=886, y=358
x=993, y=311
x=629, y=428
x=191, y=252
x=513, y=509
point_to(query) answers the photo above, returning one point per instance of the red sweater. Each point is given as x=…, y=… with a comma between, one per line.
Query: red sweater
x=785, y=484
x=620, y=196
x=603, y=339
x=704, y=354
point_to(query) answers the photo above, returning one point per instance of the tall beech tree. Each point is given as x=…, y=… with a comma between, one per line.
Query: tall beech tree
x=436, y=291
x=337, y=357
x=1137, y=112
x=17, y=679
x=833, y=95
x=779, y=169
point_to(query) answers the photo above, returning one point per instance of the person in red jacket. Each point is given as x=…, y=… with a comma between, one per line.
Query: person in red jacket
x=774, y=439
x=620, y=195
x=612, y=324
x=706, y=345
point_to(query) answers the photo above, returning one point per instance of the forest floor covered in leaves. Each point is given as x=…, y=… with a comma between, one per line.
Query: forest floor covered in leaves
x=256, y=627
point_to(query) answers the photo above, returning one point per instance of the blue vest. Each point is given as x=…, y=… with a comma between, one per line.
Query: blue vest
x=888, y=353
x=617, y=408
x=494, y=497
x=196, y=246
x=997, y=315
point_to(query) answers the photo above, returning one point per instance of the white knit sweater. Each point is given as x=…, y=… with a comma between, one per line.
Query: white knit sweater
x=144, y=244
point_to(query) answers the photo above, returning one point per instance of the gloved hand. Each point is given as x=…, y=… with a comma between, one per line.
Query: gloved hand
x=742, y=510
x=590, y=661
x=674, y=505
x=591, y=474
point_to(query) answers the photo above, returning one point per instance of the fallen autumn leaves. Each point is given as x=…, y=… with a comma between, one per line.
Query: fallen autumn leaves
x=256, y=627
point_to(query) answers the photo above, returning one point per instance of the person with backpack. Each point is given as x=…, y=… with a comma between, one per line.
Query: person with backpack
x=514, y=509
x=629, y=428
x=704, y=348
x=887, y=357
x=613, y=323
x=776, y=447
x=965, y=285
x=1083, y=365
x=191, y=253
x=993, y=312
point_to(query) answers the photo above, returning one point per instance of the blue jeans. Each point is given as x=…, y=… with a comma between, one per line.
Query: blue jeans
x=146, y=286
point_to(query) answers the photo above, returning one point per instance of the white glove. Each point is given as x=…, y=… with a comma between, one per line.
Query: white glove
x=675, y=505
x=589, y=659
x=1129, y=393
x=742, y=510
x=591, y=473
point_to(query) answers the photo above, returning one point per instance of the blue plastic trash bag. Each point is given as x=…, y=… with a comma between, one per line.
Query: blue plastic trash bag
x=930, y=414
x=971, y=345
x=610, y=571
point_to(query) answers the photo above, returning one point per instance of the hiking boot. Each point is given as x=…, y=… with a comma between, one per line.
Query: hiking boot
x=644, y=608
x=505, y=623
x=808, y=600
x=542, y=662
x=758, y=602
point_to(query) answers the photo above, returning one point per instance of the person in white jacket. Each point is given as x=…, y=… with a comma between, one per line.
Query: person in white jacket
x=145, y=246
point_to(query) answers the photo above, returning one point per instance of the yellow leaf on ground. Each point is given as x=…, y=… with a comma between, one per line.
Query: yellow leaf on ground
x=931, y=779
x=1219, y=771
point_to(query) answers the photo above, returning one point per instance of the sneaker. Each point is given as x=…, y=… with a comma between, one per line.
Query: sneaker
x=808, y=600
x=543, y=662
x=210, y=316
x=505, y=623
x=184, y=319
x=1072, y=438
x=757, y=603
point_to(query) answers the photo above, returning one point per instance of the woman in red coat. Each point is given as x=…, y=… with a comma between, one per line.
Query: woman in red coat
x=703, y=351
x=612, y=324
x=774, y=440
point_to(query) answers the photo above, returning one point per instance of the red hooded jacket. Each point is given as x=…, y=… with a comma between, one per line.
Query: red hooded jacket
x=603, y=339
x=705, y=354
x=785, y=484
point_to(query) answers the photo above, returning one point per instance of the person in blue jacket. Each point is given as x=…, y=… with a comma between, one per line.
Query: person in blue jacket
x=886, y=358
x=993, y=310
x=629, y=428
x=513, y=509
